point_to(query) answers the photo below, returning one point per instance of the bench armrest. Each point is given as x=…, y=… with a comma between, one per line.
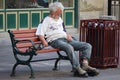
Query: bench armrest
x=30, y=48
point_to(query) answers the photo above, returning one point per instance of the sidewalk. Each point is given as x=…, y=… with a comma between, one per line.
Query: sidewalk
x=43, y=70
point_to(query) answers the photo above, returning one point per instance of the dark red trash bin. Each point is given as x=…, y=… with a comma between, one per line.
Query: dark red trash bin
x=103, y=35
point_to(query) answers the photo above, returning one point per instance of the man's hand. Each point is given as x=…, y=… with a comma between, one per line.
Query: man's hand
x=42, y=39
x=45, y=43
x=69, y=38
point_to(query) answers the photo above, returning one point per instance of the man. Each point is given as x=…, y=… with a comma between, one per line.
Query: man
x=52, y=29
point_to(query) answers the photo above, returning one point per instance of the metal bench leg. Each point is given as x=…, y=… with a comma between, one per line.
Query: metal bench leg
x=32, y=73
x=55, y=65
x=13, y=70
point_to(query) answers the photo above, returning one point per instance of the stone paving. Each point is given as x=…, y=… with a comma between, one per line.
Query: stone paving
x=43, y=70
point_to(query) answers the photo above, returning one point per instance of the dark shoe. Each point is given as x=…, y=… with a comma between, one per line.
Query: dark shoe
x=77, y=74
x=94, y=72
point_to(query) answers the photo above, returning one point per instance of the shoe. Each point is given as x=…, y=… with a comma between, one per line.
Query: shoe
x=94, y=72
x=90, y=70
x=79, y=72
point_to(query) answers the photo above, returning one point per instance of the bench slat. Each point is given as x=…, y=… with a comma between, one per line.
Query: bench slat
x=41, y=51
x=24, y=31
x=27, y=44
x=34, y=39
x=25, y=35
x=47, y=50
x=23, y=45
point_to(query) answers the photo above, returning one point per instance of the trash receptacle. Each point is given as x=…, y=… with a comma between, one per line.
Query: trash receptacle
x=103, y=35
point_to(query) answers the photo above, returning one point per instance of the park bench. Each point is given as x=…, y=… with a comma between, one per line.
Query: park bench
x=26, y=43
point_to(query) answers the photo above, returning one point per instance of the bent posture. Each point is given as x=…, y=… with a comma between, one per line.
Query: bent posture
x=52, y=30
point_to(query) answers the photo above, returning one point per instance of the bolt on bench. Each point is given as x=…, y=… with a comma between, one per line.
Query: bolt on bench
x=26, y=43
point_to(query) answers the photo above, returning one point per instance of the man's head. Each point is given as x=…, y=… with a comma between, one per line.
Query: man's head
x=56, y=9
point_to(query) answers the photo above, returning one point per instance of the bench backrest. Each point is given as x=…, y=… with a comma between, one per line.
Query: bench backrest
x=20, y=35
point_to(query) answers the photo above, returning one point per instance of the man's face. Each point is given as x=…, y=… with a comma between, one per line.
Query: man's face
x=58, y=13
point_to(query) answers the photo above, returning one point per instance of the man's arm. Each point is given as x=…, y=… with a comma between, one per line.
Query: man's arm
x=69, y=38
x=42, y=39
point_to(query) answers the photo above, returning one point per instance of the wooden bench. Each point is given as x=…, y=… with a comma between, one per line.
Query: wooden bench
x=26, y=43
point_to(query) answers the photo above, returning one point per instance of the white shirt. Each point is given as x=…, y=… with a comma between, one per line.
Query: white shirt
x=51, y=29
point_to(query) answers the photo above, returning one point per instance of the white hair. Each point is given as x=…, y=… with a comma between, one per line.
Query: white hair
x=54, y=6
